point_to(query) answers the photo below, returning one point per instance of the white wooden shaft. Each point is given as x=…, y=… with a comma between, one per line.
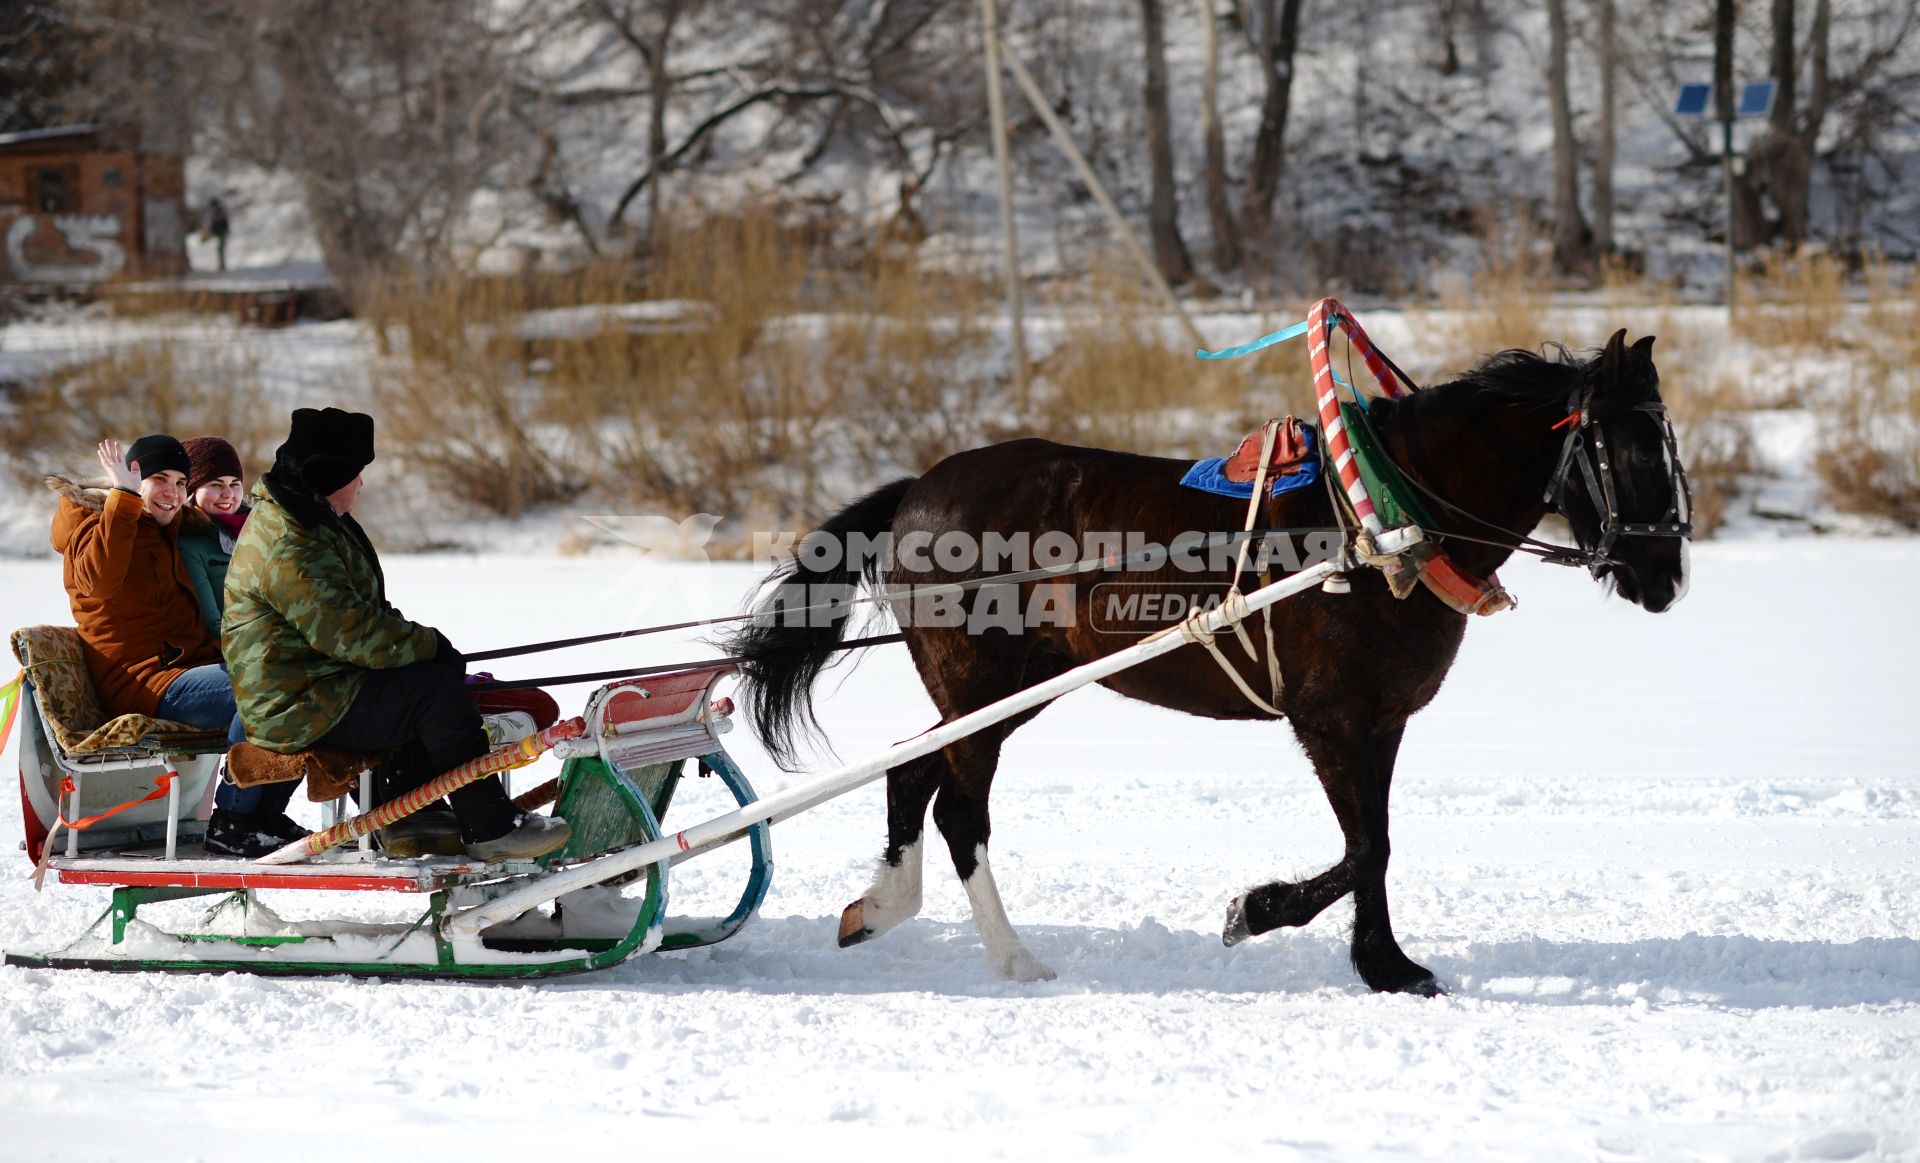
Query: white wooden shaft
x=781, y=805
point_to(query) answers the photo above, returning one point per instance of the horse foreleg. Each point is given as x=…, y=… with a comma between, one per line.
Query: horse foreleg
x=1376, y=953
x=1285, y=905
x=894, y=895
x=1357, y=771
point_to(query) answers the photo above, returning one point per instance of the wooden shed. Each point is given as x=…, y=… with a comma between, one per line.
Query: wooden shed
x=84, y=204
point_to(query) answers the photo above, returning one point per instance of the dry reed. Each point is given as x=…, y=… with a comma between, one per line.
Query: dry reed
x=53, y=421
x=1795, y=301
x=1868, y=453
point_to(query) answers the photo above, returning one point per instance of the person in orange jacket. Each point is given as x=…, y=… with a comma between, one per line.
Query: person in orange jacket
x=146, y=648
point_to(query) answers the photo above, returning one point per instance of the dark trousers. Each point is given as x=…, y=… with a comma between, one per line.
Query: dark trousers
x=421, y=713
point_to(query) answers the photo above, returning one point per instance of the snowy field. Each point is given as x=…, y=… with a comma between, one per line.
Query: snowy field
x=1666, y=866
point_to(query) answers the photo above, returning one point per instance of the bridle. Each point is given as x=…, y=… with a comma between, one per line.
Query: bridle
x=1586, y=446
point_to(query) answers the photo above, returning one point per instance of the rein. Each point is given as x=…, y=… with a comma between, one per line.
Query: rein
x=1041, y=573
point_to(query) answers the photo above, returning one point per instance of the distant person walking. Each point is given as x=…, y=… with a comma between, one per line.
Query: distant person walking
x=218, y=227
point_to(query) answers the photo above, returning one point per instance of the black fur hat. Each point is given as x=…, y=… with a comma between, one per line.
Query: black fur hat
x=327, y=447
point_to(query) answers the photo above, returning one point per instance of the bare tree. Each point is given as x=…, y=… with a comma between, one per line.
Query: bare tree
x=1163, y=213
x=42, y=62
x=836, y=70
x=1275, y=29
x=389, y=115
x=1572, y=238
x=1782, y=159
x=1226, y=239
x=1603, y=143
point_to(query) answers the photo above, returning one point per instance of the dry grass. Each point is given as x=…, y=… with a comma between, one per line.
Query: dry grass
x=1795, y=301
x=786, y=382
x=723, y=414
x=1869, y=445
x=909, y=359
x=1893, y=310
x=1502, y=302
x=451, y=405
x=1710, y=417
x=1123, y=375
x=52, y=423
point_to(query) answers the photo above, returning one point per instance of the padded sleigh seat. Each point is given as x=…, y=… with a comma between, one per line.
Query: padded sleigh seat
x=330, y=772
x=69, y=706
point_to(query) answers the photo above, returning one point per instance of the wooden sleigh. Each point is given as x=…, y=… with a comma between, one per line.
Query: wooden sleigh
x=141, y=792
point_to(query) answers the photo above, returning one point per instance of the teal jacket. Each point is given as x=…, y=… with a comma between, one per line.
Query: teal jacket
x=206, y=559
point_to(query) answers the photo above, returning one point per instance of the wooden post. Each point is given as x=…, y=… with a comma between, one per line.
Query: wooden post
x=1038, y=100
x=997, y=117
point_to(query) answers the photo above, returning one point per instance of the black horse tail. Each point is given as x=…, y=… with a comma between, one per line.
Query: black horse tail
x=784, y=650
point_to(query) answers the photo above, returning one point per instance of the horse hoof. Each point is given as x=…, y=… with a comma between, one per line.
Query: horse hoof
x=853, y=924
x=1236, y=929
x=1419, y=984
x=1024, y=966
x=1425, y=987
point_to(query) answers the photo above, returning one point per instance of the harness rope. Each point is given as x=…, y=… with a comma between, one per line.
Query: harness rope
x=161, y=786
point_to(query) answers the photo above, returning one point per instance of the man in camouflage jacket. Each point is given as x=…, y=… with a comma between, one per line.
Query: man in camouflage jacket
x=320, y=657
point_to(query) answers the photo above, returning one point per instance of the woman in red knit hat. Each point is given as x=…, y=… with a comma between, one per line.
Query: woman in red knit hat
x=216, y=486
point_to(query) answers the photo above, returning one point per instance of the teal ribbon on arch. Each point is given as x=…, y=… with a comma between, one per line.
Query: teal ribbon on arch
x=1265, y=341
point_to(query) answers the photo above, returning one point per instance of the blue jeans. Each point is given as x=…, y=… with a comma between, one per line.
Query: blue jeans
x=203, y=697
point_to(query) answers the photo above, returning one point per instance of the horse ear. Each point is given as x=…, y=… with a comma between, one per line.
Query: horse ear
x=1610, y=357
x=1644, y=346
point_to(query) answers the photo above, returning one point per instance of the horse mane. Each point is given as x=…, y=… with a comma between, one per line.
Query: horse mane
x=1545, y=380
x=1541, y=379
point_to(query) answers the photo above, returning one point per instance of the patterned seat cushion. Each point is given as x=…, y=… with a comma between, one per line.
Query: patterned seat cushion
x=71, y=708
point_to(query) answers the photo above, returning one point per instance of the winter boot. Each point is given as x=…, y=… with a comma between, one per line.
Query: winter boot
x=241, y=834
x=431, y=831
x=531, y=836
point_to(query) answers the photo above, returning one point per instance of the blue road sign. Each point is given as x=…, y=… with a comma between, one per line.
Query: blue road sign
x=1693, y=101
x=1756, y=98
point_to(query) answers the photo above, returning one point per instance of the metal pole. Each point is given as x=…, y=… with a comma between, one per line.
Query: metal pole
x=1038, y=100
x=1723, y=16
x=997, y=117
x=1726, y=170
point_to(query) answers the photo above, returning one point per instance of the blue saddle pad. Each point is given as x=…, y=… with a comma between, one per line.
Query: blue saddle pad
x=1209, y=475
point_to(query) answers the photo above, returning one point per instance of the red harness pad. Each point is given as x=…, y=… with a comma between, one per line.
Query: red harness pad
x=1291, y=446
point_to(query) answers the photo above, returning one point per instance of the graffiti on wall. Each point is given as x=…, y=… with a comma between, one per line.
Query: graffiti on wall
x=94, y=234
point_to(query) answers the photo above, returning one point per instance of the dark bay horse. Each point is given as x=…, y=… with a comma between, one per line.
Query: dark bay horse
x=1496, y=451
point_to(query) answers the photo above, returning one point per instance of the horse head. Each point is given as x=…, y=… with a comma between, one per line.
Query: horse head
x=1620, y=484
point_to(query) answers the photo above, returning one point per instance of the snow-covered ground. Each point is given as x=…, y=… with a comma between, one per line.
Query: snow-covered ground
x=1666, y=865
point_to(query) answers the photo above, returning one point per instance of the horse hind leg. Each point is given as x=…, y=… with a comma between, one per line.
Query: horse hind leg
x=961, y=815
x=895, y=894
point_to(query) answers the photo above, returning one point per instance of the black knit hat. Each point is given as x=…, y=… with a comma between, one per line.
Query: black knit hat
x=156, y=454
x=211, y=458
x=327, y=447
